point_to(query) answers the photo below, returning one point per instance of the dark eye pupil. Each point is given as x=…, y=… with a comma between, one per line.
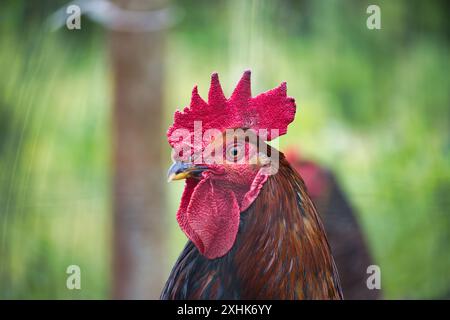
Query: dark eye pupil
x=234, y=152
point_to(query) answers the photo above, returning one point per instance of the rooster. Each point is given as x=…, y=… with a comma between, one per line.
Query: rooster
x=348, y=245
x=253, y=231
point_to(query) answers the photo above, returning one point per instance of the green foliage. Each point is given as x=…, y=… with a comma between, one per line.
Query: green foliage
x=54, y=167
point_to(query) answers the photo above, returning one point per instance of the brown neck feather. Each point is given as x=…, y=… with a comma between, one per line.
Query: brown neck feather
x=281, y=250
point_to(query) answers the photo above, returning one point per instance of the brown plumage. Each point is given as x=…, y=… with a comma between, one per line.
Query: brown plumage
x=280, y=252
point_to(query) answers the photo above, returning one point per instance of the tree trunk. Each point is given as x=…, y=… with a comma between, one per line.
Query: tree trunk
x=139, y=179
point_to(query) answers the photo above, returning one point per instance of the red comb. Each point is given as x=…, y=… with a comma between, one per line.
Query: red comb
x=270, y=110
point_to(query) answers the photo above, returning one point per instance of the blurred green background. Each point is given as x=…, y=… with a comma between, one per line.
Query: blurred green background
x=374, y=105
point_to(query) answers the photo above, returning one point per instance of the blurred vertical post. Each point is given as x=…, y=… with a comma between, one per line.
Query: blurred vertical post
x=139, y=180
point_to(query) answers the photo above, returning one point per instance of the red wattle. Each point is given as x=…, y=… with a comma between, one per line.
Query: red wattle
x=210, y=218
x=209, y=212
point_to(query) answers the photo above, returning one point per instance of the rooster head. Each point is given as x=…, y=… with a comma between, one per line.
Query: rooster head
x=219, y=149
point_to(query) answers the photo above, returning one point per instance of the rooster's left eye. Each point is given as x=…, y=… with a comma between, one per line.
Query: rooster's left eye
x=234, y=153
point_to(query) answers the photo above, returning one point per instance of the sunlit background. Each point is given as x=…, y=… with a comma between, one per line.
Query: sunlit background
x=374, y=106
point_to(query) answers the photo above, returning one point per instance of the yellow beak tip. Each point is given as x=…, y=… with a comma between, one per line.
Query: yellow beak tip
x=179, y=176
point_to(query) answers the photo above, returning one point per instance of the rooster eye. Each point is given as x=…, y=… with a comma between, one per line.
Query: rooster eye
x=234, y=153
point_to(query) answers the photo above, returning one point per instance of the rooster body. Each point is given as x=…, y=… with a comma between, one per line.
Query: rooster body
x=253, y=231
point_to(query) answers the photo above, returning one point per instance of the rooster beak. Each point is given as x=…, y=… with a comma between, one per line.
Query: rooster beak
x=183, y=170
